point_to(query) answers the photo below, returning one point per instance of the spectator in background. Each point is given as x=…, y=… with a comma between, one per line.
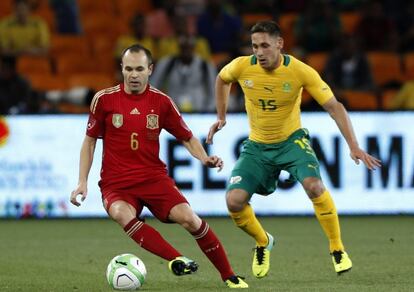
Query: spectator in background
x=170, y=45
x=405, y=26
x=375, y=29
x=404, y=99
x=15, y=91
x=22, y=33
x=347, y=67
x=159, y=21
x=137, y=35
x=66, y=16
x=187, y=78
x=221, y=29
x=318, y=28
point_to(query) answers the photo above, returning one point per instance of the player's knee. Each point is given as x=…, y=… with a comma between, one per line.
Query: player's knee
x=190, y=222
x=314, y=187
x=185, y=216
x=235, y=203
x=119, y=215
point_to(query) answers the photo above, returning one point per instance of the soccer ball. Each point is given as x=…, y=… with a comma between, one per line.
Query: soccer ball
x=126, y=272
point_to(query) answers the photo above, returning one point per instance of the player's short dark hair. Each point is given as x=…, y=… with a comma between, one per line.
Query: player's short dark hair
x=136, y=48
x=268, y=26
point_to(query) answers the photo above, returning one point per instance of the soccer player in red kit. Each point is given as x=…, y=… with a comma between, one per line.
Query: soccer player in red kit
x=129, y=118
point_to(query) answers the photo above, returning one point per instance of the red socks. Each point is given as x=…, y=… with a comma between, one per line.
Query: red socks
x=213, y=249
x=150, y=239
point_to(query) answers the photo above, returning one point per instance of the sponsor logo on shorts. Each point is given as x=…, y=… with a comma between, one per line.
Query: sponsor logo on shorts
x=312, y=166
x=235, y=179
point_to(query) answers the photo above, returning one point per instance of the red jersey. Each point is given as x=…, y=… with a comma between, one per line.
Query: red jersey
x=130, y=126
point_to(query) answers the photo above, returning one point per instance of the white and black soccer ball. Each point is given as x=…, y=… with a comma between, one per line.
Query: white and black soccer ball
x=126, y=272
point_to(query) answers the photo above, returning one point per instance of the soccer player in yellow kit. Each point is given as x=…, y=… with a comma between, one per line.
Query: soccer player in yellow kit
x=272, y=83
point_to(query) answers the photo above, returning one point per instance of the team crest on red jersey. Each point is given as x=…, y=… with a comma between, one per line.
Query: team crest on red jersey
x=117, y=120
x=152, y=121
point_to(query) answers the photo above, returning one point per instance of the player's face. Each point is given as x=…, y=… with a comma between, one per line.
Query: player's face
x=267, y=49
x=136, y=71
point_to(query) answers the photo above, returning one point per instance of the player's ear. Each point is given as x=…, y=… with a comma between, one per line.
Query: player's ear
x=150, y=68
x=280, y=43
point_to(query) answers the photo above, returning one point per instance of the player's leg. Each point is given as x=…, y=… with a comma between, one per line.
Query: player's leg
x=244, y=217
x=207, y=241
x=123, y=210
x=299, y=160
x=327, y=216
x=251, y=176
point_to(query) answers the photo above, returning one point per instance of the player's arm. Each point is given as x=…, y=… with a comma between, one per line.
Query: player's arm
x=194, y=146
x=340, y=115
x=85, y=163
x=222, y=92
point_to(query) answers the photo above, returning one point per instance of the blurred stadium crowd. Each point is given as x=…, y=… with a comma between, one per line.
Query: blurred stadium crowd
x=55, y=54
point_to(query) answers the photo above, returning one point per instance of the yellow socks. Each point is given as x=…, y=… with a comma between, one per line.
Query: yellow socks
x=328, y=218
x=247, y=221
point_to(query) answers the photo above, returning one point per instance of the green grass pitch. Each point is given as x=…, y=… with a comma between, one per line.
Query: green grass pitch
x=72, y=255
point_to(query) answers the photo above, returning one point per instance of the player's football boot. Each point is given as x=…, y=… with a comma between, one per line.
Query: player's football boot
x=261, y=258
x=182, y=266
x=341, y=261
x=236, y=282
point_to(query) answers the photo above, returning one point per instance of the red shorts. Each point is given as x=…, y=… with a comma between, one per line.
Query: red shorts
x=159, y=197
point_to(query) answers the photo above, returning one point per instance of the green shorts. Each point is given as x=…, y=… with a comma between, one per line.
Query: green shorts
x=259, y=165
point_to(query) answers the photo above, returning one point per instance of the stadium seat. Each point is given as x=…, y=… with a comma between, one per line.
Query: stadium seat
x=409, y=66
x=317, y=61
x=387, y=97
x=103, y=44
x=47, y=15
x=47, y=82
x=359, y=100
x=249, y=19
x=6, y=7
x=385, y=67
x=349, y=20
x=287, y=23
x=128, y=8
x=306, y=97
x=93, y=81
x=68, y=64
x=219, y=58
x=98, y=24
x=69, y=44
x=27, y=64
x=107, y=7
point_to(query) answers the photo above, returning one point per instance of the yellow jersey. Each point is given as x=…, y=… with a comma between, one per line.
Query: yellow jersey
x=18, y=37
x=272, y=98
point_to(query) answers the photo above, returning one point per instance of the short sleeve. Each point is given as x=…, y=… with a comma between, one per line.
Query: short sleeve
x=174, y=122
x=232, y=71
x=314, y=84
x=96, y=121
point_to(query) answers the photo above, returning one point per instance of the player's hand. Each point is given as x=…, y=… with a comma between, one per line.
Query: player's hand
x=217, y=126
x=82, y=190
x=370, y=162
x=214, y=161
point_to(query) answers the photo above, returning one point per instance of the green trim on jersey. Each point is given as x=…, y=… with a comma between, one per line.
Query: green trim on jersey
x=253, y=60
x=286, y=60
